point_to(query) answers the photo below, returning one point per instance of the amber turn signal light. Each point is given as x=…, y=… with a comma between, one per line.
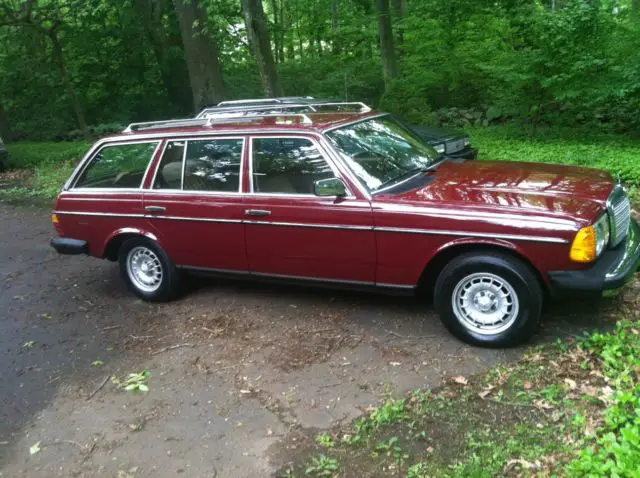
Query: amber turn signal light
x=54, y=219
x=584, y=247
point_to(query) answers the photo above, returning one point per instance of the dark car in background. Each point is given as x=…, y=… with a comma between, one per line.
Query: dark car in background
x=4, y=155
x=450, y=142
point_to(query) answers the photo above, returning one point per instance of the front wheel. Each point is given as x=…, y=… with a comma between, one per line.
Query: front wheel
x=148, y=270
x=489, y=299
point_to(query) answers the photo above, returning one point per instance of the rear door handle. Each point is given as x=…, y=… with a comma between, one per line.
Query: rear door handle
x=257, y=212
x=155, y=209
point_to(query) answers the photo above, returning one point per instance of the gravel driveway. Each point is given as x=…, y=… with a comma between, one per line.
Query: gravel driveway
x=235, y=367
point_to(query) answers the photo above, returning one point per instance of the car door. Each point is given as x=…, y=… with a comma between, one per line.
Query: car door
x=194, y=203
x=292, y=232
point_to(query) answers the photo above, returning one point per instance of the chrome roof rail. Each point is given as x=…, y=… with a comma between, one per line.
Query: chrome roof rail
x=311, y=107
x=210, y=120
x=276, y=100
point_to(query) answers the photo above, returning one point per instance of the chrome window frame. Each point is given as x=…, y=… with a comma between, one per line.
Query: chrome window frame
x=241, y=137
x=93, y=153
x=315, y=140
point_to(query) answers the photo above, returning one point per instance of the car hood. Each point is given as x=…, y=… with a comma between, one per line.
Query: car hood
x=548, y=189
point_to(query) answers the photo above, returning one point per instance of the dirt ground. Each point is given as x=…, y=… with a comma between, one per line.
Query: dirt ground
x=236, y=367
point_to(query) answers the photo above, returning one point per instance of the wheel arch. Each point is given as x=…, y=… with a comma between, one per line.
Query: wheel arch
x=117, y=238
x=451, y=250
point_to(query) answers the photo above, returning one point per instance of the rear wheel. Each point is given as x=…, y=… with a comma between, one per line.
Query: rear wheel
x=148, y=270
x=489, y=299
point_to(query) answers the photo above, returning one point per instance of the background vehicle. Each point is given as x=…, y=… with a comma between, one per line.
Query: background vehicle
x=349, y=199
x=451, y=142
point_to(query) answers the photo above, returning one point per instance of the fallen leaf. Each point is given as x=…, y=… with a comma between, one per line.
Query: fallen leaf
x=244, y=392
x=430, y=449
x=395, y=364
x=528, y=385
x=484, y=393
x=460, y=379
x=33, y=449
x=543, y=405
x=571, y=383
x=511, y=464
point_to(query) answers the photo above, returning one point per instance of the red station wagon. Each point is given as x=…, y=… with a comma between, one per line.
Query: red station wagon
x=349, y=199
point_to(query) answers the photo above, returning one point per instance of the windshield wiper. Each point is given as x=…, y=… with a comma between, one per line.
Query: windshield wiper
x=404, y=176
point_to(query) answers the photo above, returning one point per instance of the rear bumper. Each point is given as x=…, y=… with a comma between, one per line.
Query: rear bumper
x=65, y=245
x=614, y=268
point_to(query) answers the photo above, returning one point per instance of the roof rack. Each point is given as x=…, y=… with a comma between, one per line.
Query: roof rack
x=208, y=121
x=276, y=100
x=274, y=108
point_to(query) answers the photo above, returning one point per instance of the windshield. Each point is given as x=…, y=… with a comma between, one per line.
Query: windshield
x=382, y=152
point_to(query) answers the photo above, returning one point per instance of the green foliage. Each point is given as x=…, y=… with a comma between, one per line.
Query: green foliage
x=615, y=449
x=30, y=154
x=137, y=382
x=568, y=62
x=322, y=465
x=614, y=154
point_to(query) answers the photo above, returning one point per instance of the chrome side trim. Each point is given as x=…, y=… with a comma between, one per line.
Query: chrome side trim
x=516, y=237
x=194, y=219
x=106, y=214
x=300, y=224
x=312, y=279
x=278, y=276
x=395, y=286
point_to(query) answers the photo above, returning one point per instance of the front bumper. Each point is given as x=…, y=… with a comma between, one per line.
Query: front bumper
x=65, y=245
x=612, y=270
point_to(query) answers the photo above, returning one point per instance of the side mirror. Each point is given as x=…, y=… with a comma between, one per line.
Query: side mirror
x=329, y=187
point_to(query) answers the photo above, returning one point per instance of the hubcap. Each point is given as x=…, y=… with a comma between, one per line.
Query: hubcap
x=144, y=269
x=485, y=303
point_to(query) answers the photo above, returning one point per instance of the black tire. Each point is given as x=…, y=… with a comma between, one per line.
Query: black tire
x=489, y=268
x=162, y=289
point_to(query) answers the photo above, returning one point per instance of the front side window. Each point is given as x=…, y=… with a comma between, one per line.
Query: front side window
x=208, y=165
x=382, y=152
x=118, y=166
x=287, y=166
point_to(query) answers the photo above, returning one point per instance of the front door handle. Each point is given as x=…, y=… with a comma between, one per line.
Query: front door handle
x=257, y=212
x=155, y=209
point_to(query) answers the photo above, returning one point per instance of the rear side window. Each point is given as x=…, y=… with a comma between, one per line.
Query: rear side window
x=118, y=166
x=209, y=165
x=169, y=175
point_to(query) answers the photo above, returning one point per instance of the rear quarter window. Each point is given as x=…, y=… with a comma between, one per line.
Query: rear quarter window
x=118, y=166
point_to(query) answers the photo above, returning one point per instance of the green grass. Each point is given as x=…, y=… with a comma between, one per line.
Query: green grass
x=51, y=165
x=567, y=409
x=33, y=154
x=611, y=153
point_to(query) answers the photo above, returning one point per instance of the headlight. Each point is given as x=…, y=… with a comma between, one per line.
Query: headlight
x=590, y=241
x=439, y=148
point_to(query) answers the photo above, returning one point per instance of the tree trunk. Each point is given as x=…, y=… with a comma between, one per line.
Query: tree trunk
x=400, y=11
x=335, y=24
x=173, y=71
x=5, y=126
x=258, y=34
x=203, y=57
x=276, y=31
x=387, y=50
x=58, y=56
